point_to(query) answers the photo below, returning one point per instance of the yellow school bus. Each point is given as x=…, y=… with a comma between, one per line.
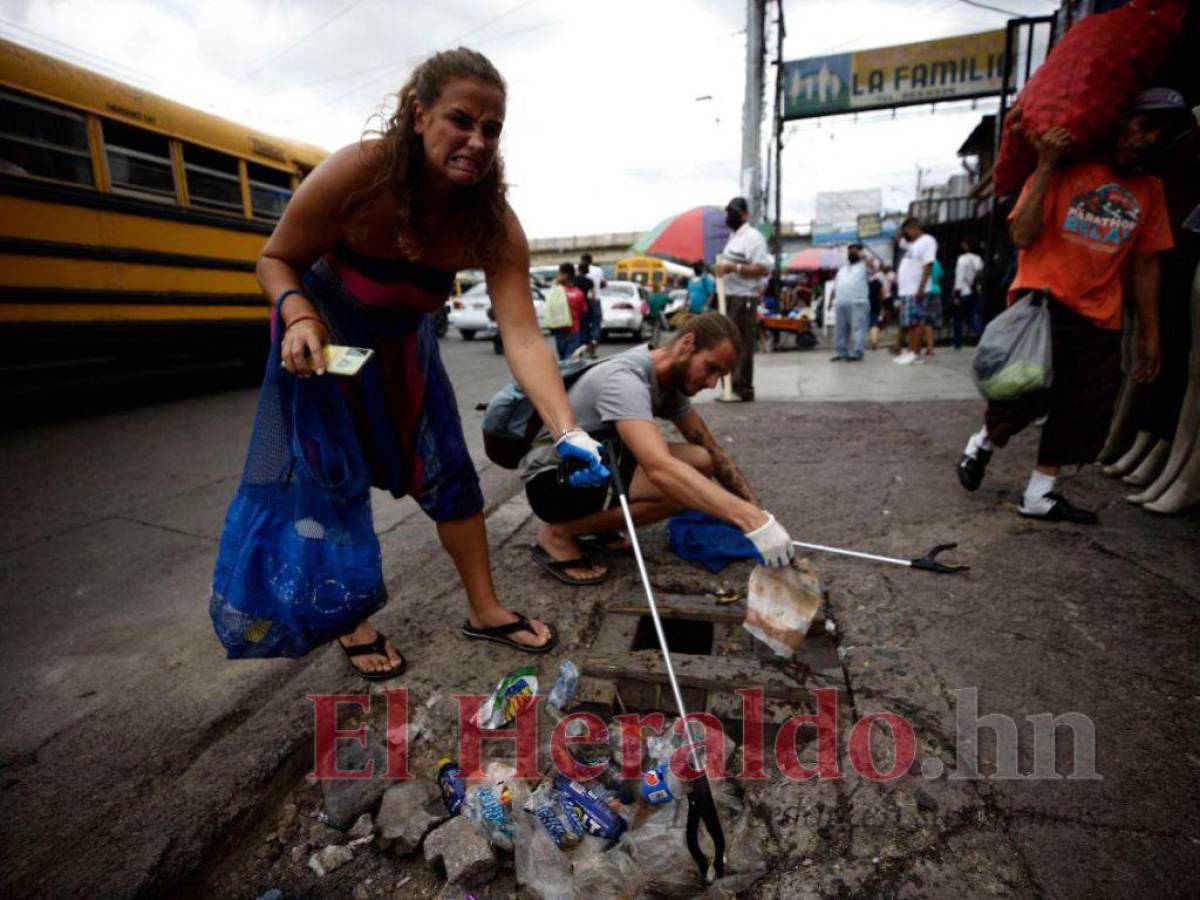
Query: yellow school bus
x=649, y=270
x=130, y=223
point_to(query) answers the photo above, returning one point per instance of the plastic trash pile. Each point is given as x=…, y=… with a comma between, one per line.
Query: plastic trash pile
x=610, y=837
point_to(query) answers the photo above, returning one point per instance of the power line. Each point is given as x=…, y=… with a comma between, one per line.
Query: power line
x=404, y=64
x=82, y=57
x=995, y=9
x=296, y=43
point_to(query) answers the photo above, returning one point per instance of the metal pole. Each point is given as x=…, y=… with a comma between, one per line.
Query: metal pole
x=751, y=186
x=780, y=33
x=990, y=275
x=856, y=553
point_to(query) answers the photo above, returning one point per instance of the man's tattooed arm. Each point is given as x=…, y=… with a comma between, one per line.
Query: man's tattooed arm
x=692, y=427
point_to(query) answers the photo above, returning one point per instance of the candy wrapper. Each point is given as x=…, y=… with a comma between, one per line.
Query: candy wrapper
x=515, y=691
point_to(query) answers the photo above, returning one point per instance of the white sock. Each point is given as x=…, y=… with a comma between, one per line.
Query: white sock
x=1037, y=489
x=978, y=441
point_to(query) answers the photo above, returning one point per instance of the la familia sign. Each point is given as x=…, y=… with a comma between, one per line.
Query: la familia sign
x=955, y=68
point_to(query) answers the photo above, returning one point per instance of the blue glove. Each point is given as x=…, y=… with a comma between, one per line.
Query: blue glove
x=578, y=450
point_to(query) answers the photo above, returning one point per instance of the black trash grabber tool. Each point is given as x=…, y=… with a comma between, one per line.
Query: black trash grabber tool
x=701, y=807
x=929, y=562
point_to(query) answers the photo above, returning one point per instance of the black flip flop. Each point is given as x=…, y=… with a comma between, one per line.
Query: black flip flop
x=558, y=567
x=603, y=543
x=376, y=647
x=500, y=634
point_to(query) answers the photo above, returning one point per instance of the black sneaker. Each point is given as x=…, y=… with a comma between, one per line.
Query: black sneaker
x=1060, y=510
x=971, y=469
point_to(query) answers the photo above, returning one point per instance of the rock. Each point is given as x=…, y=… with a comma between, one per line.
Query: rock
x=287, y=815
x=924, y=801
x=348, y=798
x=269, y=850
x=362, y=827
x=272, y=894
x=298, y=853
x=410, y=809
x=321, y=835
x=360, y=892
x=330, y=858
x=465, y=854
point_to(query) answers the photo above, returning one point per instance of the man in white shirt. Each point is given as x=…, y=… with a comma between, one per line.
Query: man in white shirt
x=966, y=299
x=852, y=305
x=745, y=264
x=912, y=286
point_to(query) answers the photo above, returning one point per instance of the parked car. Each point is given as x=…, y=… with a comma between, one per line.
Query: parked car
x=469, y=313
x=623, y=305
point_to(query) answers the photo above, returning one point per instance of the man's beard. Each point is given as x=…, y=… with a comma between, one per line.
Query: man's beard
x=678, y=377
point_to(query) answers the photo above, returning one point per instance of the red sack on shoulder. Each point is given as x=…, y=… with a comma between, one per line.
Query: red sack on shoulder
x=1089, y=77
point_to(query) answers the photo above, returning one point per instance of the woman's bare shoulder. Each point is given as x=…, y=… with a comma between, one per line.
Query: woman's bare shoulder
x=351, y=167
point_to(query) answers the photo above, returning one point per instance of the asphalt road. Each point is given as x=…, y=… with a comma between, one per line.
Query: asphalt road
x=116, y=486
x=132, y=754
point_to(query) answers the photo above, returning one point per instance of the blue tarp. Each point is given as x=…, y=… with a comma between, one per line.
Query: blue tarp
x=700, y=538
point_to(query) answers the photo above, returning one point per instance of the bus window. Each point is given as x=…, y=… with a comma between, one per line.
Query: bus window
x=270, y=191
x=37, y=138
x=212, y=179
x=139, y=161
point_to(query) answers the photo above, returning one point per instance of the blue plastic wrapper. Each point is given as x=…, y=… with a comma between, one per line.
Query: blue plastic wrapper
x=589, y=809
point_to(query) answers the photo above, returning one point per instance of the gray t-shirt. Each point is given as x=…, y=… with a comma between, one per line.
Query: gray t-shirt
x=620, y=388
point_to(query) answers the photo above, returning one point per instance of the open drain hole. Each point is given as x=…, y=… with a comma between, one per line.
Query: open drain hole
x=688, y=636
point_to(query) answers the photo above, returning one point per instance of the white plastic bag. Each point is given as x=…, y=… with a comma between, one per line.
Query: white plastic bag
x=781, y=605
x=1014, y=355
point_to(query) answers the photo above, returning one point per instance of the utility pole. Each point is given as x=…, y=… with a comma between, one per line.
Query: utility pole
x=780, y=34
x=752, y=108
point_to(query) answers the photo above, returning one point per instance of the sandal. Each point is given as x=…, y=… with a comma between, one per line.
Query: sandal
x=603, y=544
x=500, y=634
x=377, y=647
x=558, y=567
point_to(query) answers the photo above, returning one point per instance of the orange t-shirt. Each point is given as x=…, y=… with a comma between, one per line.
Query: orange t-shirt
x=1091, y=220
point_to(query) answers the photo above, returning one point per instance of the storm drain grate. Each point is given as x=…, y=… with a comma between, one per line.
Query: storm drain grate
x=713, y=658
x=689, y=636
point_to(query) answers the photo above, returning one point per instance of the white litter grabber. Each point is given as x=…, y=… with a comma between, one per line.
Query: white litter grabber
x=700, y=801
x=928, y=562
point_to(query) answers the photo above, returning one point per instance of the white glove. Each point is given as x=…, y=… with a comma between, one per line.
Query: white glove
x=772, y=542
x=579, y=448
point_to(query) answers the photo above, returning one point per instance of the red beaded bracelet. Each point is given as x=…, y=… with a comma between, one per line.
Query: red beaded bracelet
x=302, y=318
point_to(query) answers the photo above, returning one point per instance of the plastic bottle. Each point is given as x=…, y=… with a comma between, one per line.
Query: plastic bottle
x=453, y=787
x=660, y=785
x=565, y=685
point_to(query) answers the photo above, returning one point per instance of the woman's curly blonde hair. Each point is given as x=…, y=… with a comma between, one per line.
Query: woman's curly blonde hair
x=478, y=214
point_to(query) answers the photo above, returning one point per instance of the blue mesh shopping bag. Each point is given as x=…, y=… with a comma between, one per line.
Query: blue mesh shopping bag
x=299, y=562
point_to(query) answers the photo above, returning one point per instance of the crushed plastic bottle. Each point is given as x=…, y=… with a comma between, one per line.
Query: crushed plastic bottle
x=565, y=685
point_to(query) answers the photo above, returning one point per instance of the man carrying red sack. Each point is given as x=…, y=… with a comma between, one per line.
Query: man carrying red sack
x=1076, y=225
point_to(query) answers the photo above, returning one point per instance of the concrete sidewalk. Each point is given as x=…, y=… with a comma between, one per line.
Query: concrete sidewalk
x=167, y=787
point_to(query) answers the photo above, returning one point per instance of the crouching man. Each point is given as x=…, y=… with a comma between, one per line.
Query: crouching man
x=617, y=401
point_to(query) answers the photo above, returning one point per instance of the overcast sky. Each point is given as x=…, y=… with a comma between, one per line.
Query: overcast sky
x=604, y=129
